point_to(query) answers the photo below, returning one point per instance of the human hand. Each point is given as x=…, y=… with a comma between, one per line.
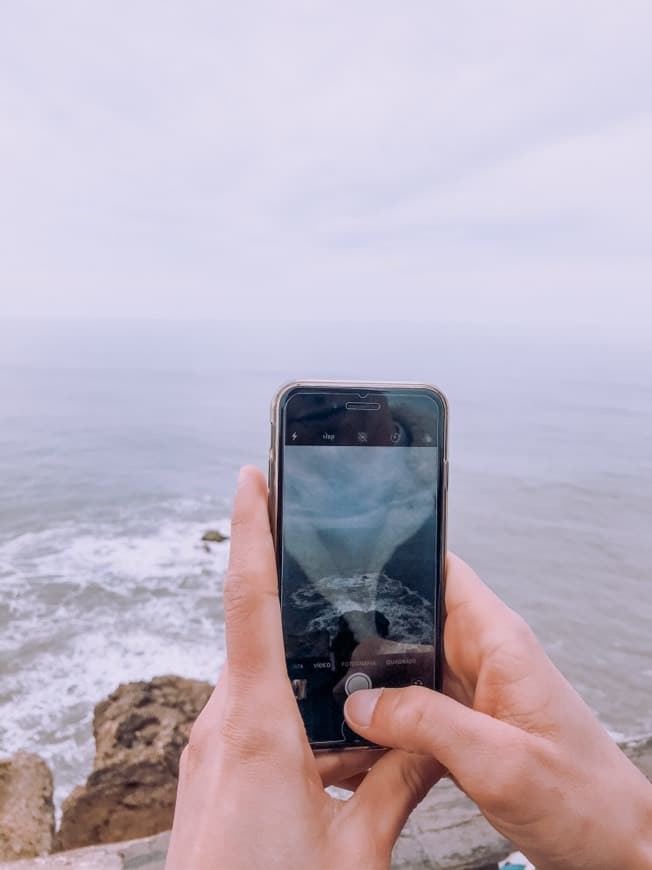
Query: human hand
x=517, y=739
x=251, y=792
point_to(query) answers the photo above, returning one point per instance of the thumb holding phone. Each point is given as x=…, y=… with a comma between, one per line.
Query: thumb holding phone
x=517, y=739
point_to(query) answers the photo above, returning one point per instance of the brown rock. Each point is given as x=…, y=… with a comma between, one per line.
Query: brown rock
x=139, y=731
x=26, y=809
x=213, y=536
x=639, y=750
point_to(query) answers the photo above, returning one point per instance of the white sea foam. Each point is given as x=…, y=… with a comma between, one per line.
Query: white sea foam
x=409, y=614
x=104, y=549
x=90, y=606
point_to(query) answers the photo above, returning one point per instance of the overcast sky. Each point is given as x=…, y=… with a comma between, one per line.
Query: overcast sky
x=419, y=161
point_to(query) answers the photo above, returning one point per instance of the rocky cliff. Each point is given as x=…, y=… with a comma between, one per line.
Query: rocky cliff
x=140, y=730
x=26, y=810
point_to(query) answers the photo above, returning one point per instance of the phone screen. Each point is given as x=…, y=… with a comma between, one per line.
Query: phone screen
x=360, y=527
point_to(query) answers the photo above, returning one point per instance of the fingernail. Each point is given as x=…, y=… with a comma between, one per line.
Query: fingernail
x=360, y=706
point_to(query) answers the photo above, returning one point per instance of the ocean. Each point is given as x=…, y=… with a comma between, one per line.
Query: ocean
x=120, y=443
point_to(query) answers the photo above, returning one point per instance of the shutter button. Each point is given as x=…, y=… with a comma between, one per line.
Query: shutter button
x=355, y=682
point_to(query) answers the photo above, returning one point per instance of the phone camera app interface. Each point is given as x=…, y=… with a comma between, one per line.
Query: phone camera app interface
x=359, y=562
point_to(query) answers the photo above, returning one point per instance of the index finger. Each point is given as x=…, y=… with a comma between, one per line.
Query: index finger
x=254, y=637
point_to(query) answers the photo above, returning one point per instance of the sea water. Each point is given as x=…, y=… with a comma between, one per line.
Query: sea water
x=120, y=443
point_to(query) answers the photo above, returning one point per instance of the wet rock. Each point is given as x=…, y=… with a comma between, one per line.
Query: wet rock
x=214, y=537
x=26, y=810
x=139, y=731
x=639, y=750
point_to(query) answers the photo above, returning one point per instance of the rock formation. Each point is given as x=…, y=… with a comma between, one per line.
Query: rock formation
x=214, y=537
x=26, y=810
x=639, y=750
x=446, y=831
x=139, y=731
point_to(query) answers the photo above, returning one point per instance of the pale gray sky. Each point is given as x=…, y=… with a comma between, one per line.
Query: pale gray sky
x=415, y=161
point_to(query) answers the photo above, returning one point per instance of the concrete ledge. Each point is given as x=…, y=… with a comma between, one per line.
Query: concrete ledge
x=145, y=854
x=446, y=832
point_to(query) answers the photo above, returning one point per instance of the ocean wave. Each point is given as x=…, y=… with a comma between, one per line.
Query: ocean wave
x=410, y=616
x=85, y=606
x=95, y=550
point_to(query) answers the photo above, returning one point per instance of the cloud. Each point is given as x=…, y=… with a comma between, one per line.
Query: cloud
x=304, y=160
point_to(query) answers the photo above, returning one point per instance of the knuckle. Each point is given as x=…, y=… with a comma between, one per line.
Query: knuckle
x=246, y=737
x=287, y=742
x=245, y=588
x=190, y=758
x=513, y=654
x=239, y=522
x=410, y=714
x=248, y=734
x=238, y=597
x=197, y=739
x=522, y=635
x=415, y=777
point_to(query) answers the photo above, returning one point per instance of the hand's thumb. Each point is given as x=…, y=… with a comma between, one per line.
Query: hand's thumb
x=417, y=719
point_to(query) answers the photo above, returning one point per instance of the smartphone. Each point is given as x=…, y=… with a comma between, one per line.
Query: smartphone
x=358, y=482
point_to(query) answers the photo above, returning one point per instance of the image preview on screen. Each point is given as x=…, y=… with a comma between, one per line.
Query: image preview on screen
x=359, y=562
